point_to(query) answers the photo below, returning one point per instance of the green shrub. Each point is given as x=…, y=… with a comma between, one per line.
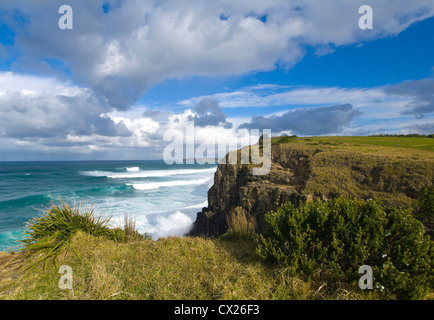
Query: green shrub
x=341, y=235
x=425, y=210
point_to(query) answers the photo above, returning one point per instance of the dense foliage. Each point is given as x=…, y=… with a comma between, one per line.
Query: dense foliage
x=425, y=210
x=339, y=236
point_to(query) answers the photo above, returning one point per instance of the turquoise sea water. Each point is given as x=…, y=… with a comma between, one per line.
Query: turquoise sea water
x=163, y=199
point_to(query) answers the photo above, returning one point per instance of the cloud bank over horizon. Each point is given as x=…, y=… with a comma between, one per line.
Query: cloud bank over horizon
x=307, y=121
x=49, y=117
x=82, y=92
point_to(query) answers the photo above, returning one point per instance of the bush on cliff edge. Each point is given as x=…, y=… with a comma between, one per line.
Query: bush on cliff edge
x=339, y=236
x=425, y=210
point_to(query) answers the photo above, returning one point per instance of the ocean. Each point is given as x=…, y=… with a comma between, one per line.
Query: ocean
x=163, y=199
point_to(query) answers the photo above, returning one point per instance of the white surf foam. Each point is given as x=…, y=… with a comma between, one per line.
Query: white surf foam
x=174, y=183
x=176, y=224
x=96, y=173
x=147, y=173
x=198, y=205
x=133, y=169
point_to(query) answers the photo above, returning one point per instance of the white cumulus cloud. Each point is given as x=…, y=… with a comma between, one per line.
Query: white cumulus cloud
x=136, y=44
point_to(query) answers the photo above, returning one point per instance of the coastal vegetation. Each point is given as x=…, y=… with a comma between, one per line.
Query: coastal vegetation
x=341, y=235
x=382, y=216
x=107, y=264
x=53, y=231
x=307, y=256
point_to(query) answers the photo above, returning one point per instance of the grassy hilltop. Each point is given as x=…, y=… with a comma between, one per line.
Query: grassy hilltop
x=390, y=145
x=120, y=264
x=390, y=168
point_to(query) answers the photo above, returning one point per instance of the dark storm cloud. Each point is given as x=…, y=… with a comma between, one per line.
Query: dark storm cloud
x=56, y=116
x=423, y=128
x=209, y=113
x=307, y=121
x=422, y=92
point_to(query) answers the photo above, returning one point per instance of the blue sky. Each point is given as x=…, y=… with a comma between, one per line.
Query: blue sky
x=131, y=72
x=385, y=61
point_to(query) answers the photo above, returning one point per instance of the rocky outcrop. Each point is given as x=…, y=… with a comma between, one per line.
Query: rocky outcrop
x=236, y=188
x=298, y=175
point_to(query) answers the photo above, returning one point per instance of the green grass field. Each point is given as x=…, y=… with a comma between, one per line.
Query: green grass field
x=170, y=268
x=386, y=144
x=391, y=168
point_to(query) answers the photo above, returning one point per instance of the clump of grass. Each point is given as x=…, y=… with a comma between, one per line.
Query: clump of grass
x=53, y=231
x=130, y=227
x=130, y=231
x=241, y=226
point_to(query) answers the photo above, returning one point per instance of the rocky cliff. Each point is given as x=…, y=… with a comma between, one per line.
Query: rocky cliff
x=304, y=172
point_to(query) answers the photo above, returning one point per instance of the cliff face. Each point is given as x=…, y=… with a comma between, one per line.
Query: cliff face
x=235, y=188
x=303, y=174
